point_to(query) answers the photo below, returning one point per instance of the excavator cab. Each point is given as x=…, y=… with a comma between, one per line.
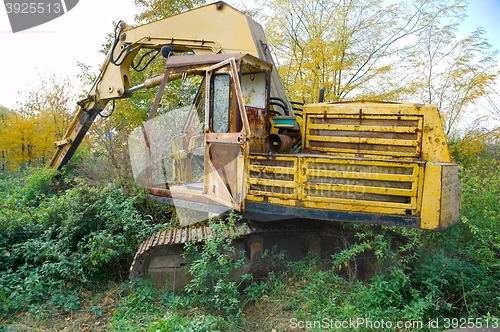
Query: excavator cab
x=194, y=156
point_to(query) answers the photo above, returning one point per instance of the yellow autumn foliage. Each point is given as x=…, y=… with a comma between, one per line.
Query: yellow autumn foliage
x=28, y=133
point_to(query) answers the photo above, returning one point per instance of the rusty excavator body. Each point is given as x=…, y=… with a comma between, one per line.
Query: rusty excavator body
x=237, y=145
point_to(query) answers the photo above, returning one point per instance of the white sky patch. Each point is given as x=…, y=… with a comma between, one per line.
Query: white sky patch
x=485, y=14
x=56, y=47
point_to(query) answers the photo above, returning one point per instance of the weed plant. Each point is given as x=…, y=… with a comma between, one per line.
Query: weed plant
x=52, y=245
x=55, y=245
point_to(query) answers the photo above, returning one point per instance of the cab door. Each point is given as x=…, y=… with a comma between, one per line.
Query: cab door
x=226, y=130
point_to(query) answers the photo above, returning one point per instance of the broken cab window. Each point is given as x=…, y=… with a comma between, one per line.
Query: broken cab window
x=221, y=87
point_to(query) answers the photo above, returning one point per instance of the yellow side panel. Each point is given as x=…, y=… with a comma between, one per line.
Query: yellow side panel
x=431, y=199
x=375, y=130
x=451, y=196
x=272, y=177
x=370, y=134
x=356, y=206
x=346, y=184
x=359, y=185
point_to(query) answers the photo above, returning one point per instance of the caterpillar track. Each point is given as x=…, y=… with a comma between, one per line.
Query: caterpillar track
x=160, y=257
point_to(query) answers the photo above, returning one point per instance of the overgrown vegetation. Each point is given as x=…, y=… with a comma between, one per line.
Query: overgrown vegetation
x=55, y=244
x=57, y=247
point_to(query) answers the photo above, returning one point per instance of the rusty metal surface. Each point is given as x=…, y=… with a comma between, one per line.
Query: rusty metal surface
x=182, y=193
x=258, y=120
x=278, y=143
x=403, y=131
x=334, y=183
x=201, y=60
x=73, y=137
x=231, y=138
x=383, y=135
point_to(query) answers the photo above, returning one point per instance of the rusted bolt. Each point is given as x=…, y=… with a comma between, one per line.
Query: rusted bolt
x=220, y=5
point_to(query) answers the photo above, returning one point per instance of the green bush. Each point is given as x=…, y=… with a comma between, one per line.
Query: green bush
x=211, y=266
x=174, y=321
x=54, y=244
x=412, y=283
x=476, y=238
x=140, y=308
x=480, y=229
x=460, y=288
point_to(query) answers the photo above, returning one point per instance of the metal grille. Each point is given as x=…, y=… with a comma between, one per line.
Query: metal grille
x=361, y=183
x=389, y=135
x=273, y=177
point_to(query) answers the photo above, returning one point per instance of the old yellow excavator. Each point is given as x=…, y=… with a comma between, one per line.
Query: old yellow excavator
x=236, y=143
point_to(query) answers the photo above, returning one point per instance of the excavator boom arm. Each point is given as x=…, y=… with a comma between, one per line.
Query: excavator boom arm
x=213, y=29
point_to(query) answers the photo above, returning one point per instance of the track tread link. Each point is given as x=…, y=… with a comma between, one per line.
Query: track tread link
x=180, y=236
